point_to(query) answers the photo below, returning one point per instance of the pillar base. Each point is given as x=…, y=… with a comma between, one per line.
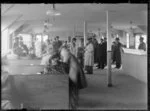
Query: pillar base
x=110, y=85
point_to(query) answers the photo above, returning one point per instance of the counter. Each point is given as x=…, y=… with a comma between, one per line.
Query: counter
x=134, y=63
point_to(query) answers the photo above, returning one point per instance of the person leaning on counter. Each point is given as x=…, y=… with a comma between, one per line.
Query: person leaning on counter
x=142, y=45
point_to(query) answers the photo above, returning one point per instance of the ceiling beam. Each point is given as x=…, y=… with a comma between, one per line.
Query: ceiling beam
x=13, y=22
x=14, y=27
x=8, y=9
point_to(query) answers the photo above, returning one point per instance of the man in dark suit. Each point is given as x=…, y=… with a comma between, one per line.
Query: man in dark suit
x=100, y=55
x=105, y=51
x=117, y=53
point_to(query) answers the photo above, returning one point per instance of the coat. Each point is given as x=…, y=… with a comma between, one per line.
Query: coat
x=117, y=52
x=105, y=52
x=89, y=55
x=112, y=54
x=99, y=54
x=76, y=73
x=95, y=43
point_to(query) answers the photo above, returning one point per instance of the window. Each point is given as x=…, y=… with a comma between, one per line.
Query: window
x=39, y=37
x=27, y=39
x=45, y=37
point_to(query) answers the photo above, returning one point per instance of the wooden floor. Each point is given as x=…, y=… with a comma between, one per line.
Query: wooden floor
x=38, y=91
x=41, y=91
x=126, y=93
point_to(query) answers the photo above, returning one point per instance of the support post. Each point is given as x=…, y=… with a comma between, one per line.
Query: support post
x=85, y=32
x=108, y=26
x=128, y=39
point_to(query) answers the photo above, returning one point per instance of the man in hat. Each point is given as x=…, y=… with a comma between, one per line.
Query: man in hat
x=89, y=56
x=95, y=44
x=57, y=44
x=117, y=52
x=142, y=45
x=112, y=55
x=100, y=55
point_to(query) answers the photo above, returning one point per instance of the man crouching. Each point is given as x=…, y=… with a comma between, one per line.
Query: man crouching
x=77, y=79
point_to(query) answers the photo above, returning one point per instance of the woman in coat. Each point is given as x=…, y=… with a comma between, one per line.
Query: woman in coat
x=89, y=57
x=77, y=79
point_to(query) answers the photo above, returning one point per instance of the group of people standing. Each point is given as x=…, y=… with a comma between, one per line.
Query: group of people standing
x=87, y=55
x=101, y=53
x=96, y=53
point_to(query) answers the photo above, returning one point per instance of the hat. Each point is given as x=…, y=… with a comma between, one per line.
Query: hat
x=141, y=38
x=74, y=39
x=117, y=38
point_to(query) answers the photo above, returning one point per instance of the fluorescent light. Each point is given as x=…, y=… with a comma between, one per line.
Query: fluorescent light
x=53, y=13
x=57, y=14
x=49, y=12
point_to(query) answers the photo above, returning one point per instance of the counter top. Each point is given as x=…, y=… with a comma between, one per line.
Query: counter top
x=134, y=51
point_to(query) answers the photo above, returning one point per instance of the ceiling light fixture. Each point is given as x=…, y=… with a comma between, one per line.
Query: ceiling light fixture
x=53, y=12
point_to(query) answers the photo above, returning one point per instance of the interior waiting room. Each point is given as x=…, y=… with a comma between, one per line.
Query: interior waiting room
x=74, y=56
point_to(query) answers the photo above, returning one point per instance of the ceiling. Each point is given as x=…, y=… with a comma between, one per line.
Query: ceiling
x=72, y=16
